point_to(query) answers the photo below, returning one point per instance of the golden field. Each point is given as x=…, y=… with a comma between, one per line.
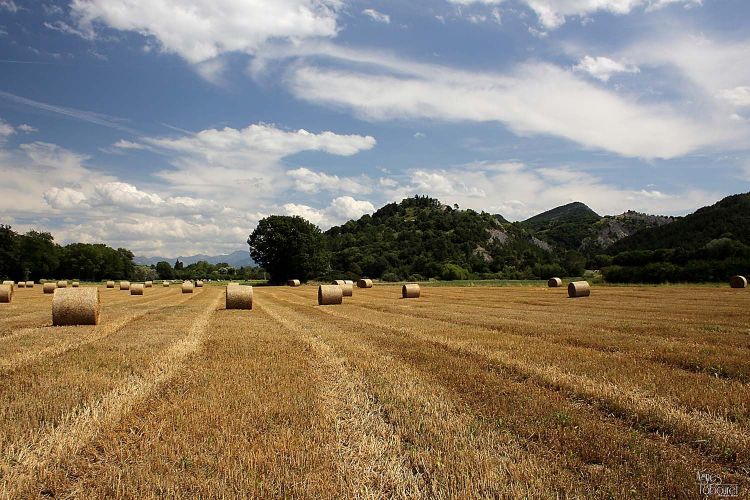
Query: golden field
x=464, y=392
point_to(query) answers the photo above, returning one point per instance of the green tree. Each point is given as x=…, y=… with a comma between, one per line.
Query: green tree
x=289, y=247
x=164, y=270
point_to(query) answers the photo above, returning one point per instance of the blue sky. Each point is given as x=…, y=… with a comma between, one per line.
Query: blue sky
x=172, y=126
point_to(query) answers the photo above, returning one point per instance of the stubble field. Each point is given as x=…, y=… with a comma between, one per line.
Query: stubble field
x=465, y=392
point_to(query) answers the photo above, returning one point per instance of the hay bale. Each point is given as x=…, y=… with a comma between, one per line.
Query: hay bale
x=579, y=289
x=29, y=284
x=148, y=284
x=49, y=287
x=349, y=282
x=76, y=306
x=347, y=289
x=364, y=283
x=62, y=284
x=165, y=283
x=554, y=283
x=330, y=295
x=6, y=294
x=239, y=296
x=410, y=291
x=738, y=282
x=136, y=289
x=110, y=284
x=8, y=282
x=199, y=284
x=124, y=285
x=338, y=282
x=187, y=287
x=75, y=284
x=293, y=283
x=21, y=284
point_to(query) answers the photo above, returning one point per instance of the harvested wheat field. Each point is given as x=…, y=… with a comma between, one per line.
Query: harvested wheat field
x=463, y=392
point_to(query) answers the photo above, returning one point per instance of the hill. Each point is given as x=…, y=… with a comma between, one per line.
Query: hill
x=709, y=245
x=240, y=258
x=422, y=238
x=729, y=218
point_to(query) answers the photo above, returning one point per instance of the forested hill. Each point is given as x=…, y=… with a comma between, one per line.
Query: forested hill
x=566, y=226
x=729, y=218
x=422, y=238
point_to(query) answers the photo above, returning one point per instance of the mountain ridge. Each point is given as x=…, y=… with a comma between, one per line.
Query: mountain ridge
x=238, y=258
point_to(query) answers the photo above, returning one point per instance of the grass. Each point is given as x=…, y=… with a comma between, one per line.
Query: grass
x=486, y=391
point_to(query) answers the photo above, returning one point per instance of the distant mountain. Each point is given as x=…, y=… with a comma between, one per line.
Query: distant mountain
x=729, y=218
x=239, y=258
x=566, y=226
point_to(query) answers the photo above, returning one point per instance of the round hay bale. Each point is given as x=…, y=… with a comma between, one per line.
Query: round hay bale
x=110, y=284
x=199, y=284
x=347, y=288
x=410, y=291
x=136, y=289
x=124, y=285
x=75, y=284
x=165, y=284
x=330, y=295
x=364, y=283
x=338, y=282
x=49, y=287
x=29, y=284
x=76, y=306
x=579, y=289
x=293, y=283
x=239, y=297
x=738, y=282
x=554, y=283
x=187, y=287
x=6, y=294
x=21, y=284
x=148, y=284
x=62, y=284
x=7, y=282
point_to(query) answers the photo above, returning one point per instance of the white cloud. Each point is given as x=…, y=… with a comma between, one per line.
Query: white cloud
x=64, y=198
x=123, y=144
x=340, y=210
x=9, y=5
x=199, y=30
x=738, y=96
x=307, y=181
x=553, y=13
x=377, y=16
x=6, y=130
x=602, y=68
x=27, y=128
x=532, y=98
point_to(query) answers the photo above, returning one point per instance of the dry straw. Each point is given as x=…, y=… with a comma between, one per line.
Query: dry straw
x=738, y=282
x=339, y=282
x=8, y=282
x=62, y=284
x=49, y=287
x=75, y=284
x=364, y=283
x=347, y=287
x=554, y=283
x=199, y=284
x=293, y=283
x=165, y=284
x=124, y=285
x=330, y=295
x=110, y=284
x=239, y=296
x=579, y=289
x=136, y=289
x=6, y=294
x=410, y=291
x=148, y=284
x=76, y=306
x=187, y=287
x=29, y=284
x=21, y=284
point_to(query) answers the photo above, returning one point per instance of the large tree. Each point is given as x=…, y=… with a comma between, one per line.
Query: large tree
x=289, y=247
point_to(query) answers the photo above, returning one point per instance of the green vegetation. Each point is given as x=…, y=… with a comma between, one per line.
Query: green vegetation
x=289, y=247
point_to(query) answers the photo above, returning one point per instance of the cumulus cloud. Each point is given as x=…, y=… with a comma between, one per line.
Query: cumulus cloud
x=6, y=130
x=27, y=128
x=65, y=198
x=308, y=181
x=377, y=16
x=602, y=68
x=199, y=30
x=532, y=98
x=738, y=96
x=340, y=210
